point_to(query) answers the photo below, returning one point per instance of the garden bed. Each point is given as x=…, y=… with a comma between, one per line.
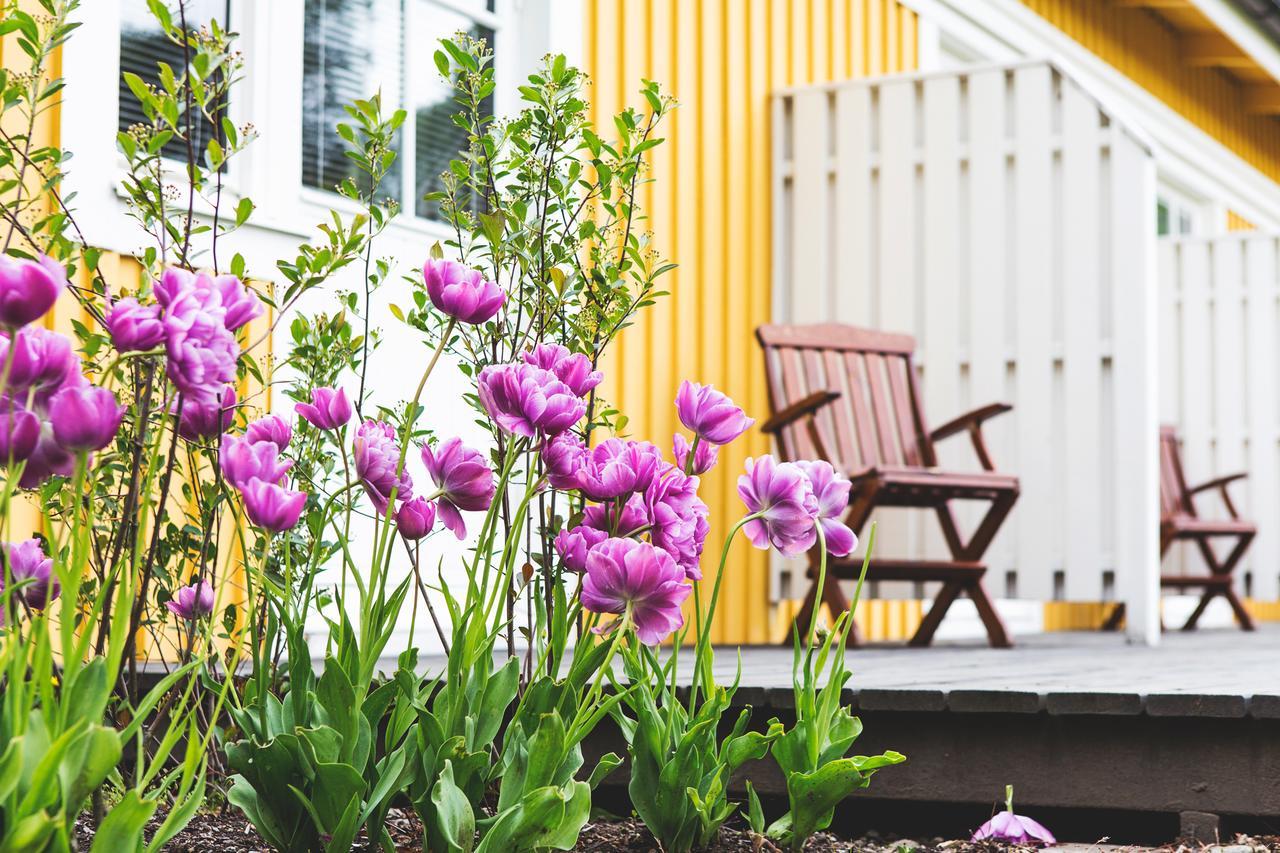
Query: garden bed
x=226, y=831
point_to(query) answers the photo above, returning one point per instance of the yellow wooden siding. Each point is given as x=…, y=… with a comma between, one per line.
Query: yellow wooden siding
x=1147, y=51
x=710, y=206
x=1236, y=222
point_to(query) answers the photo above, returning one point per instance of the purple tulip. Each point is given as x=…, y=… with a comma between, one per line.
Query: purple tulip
x=529, y=401
x=461, y=292
x=832, y=493
x=272, y=506
x=415, y=518
x=48, y=458
x=377, y=457
x=562, y=457
x=32, y=573
x=328, y=409
x=464, y=481
x=704, y=458
x=241, y=303
x=571, y=368
x=41, y=359
x=710, y=414
x=193, y=601
x=783, y=493
x=634, y=578
x=678, y=518
x=85, y=418
x=203, y=421
x=1012, y=828
x=573, y=545
x=616, y=467
x=226, y=294
x=201, y=351
x=134, y=327
x=242, y=460
x=28, y=289
x=628, y=521
x=272, y=428
x=19, y=432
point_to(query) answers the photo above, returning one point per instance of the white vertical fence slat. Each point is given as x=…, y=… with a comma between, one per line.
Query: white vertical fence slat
x=940, y=337
x=809, y=209
x=1225, y=292
x=1033, y=271
x=852, y=183
x=985, y=211
x=895, y=301
x=988, y=235
x=1135, y=370
x=1081, y=380
x=1262, y=330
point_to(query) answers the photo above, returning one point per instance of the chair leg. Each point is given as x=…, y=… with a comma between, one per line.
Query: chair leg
x=989, y=527
x=997, y=636
x=1199, y=611
x=1242, y=615
x=929, y=624
x=1113, y=621
x=1225, y=567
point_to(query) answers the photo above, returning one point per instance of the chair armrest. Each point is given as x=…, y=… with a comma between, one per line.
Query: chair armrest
x=802, y=408
x=1220, y=483
x=972, y=424
x=969, y=420
x=1217, y=483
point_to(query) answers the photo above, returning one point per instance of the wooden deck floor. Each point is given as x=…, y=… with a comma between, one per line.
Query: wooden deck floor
x=1206, y=673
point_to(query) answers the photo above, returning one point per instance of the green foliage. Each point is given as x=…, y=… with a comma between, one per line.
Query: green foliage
x=315, y=769
x=680, y=767
x=813, y=754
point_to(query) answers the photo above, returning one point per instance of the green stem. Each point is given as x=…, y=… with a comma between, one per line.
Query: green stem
x=704, y=629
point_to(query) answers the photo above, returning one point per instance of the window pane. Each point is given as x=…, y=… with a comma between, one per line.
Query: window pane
x=352, y=49
x=437, y=139
x=143, y=45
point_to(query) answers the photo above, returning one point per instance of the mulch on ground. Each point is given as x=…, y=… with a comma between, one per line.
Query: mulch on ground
x=226, y=831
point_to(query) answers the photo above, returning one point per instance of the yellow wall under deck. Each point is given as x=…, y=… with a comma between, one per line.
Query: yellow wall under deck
x=1147, y=51
x=709, y=209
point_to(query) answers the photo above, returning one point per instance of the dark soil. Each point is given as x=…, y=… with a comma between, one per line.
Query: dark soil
x=226, y=831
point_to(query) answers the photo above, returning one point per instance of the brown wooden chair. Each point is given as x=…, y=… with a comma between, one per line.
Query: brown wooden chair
x=850, y=396
x=1180, y=522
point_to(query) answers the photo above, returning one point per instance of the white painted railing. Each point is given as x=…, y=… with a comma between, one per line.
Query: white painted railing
x=1006, y=218
x=1220, y=381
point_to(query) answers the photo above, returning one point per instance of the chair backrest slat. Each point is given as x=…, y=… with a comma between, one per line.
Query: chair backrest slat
x=1174, y=500
x=860, y=413
x=794, y=387
x=876, y=422
x=842, y=414
x=905, y=412
x=882, y=407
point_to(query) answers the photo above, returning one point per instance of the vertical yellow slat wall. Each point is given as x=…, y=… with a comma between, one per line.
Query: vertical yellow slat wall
x=1146, y=50
x=710, y=207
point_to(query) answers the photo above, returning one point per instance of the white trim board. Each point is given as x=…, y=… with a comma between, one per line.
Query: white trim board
x=1185, y=154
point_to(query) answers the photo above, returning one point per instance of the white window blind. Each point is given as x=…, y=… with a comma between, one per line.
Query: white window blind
x=143, y=45
x=354, y=48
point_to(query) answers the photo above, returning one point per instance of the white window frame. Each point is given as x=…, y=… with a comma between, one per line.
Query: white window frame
x=270, y=169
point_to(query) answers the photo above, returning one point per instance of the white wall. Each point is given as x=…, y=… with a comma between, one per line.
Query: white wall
x=1002, y=216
